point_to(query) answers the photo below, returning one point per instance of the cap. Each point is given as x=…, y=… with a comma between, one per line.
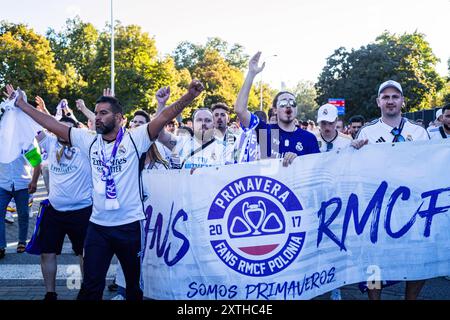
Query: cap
x=327, y=112
x=438, y=113
x=390, y=84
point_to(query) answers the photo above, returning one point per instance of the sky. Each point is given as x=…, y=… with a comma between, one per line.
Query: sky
x=295, y=36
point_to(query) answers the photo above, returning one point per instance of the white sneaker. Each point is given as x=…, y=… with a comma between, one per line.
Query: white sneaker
x=336, y=294
x=118, y=297
x=9, y=217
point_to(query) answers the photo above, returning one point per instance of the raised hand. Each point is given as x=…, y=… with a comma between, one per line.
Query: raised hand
x=108, y=92
x=10, y=92
x=40, y=104
x=195, y=88
x=80, y=104
x=20, y=102
x=253, y=67
x=162, y=95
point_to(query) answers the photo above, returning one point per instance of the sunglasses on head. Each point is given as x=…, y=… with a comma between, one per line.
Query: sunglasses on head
x=284, y=103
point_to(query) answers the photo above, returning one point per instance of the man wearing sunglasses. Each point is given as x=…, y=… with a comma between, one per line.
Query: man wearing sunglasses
x=329, y=137
x=391, y=127
x=283, y=139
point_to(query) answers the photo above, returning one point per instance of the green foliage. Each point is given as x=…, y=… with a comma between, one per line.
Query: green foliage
x=27, y=61
x=306, y=96
x=356, y=75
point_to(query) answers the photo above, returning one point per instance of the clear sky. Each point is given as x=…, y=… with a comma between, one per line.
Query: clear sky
x=301, y=33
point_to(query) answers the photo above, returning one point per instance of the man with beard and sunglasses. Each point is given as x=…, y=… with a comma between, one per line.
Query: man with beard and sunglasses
x=116, y=221
x=283, y=139
x=391, y=127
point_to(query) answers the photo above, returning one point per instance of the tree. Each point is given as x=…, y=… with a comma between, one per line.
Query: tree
x=356, y=75
x=306, y=95
x=188, y=55
x=27, y=61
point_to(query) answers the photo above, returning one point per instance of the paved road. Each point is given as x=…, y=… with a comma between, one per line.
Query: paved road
x=21, y=278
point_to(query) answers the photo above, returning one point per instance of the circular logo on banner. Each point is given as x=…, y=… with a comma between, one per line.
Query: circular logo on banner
x=255, y=226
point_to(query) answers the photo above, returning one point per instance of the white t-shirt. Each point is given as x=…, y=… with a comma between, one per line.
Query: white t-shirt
x=215, y=154
x=70, y=179
x=125, y=171
x=340, y=142
x=378, y=132
x=435, y=133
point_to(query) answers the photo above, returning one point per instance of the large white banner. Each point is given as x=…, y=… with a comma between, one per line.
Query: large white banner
x=261, y=231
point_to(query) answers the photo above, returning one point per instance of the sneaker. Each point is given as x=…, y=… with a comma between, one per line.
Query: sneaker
x=9, y=218
x=336, y=294
x=2, y=253
x=21, y=247
x=50, y=296
x=118, y=297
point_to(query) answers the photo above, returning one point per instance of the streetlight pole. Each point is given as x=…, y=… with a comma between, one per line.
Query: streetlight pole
x=261, y=85
x=112, y=49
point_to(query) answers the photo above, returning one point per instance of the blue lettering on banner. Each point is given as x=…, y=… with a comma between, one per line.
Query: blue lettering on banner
x=163, y=247
x=373, y=212
x=263, y=290
x=255, y=226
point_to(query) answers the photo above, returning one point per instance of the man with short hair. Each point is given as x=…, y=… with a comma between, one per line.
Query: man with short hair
x=221, y=117
x=201, y=150
x=115, y=223
x=443, y=131
x=329, y=137
x=280, y=140
x=140, y=117
x=355, y=124
x=171, y=126
x=391, y=127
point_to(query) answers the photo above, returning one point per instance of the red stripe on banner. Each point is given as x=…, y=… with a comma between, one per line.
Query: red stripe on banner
x=259, y=250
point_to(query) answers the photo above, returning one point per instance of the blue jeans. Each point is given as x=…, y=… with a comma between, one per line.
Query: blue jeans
x=21, y=198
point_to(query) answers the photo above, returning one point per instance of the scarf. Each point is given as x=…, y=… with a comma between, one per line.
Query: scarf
x=107, y=186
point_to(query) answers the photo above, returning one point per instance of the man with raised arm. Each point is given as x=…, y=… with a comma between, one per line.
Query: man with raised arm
x=280, y=140
x=115, y=224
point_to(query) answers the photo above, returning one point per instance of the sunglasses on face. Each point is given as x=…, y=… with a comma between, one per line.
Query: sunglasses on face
x=284, y=103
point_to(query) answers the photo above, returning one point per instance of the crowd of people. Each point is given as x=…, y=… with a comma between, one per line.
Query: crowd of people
x=91, y=171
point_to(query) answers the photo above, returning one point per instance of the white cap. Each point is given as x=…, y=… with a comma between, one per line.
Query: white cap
x=390, y=84
x=438, y=113
x=327, y=112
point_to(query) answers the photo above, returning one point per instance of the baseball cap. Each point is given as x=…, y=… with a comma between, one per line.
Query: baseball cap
x=390, y=84
x=327, y=112
x=438, y=113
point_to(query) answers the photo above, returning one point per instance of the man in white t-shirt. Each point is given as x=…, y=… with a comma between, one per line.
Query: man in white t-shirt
x=391, y=128
x=70, y=203
x=115, y=223
x=329, y=138
x=443, y=131
x=201, y=150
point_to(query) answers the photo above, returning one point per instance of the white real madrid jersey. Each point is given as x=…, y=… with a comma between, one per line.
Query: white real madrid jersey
x=125, y=171
x=70, y=177
x=379, y=132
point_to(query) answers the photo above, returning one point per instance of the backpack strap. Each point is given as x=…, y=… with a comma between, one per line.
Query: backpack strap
x=442, y=132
